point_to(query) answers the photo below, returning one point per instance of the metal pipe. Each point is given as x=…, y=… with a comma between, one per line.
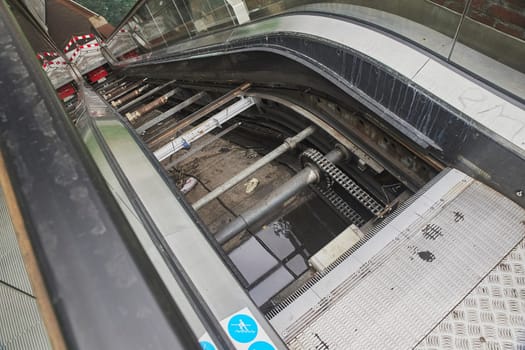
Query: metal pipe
x=289, y=143
x=139, y=112
x=203, y=128
x=192, y=118
x=115, y=88
x=110, y=85
x=147, y=94
x=119, y=89
x=170, y=112
x=127, y=90
x=202, y=145
x=309, y=175
x=129, y=96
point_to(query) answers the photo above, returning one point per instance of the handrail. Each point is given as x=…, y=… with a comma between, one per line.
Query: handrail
x=103, y=288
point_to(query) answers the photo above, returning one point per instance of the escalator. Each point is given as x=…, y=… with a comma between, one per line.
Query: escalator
x=280, y=176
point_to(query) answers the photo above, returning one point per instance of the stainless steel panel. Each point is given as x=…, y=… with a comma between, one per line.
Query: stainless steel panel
x=492, y=316
x=429, y=265
x=21, y=325
x=479, y=103
x=12, y=269
x=22, y=328
x=222, y=293
x=142, y=235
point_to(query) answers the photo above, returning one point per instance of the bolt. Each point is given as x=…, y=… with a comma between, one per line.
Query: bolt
x=519, y=193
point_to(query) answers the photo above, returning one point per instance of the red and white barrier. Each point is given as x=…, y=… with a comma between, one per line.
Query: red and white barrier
x=88, y=46
x=82, y=51
x=76, y=38
x=92, y=46
x=56, y=63
x=43, y=55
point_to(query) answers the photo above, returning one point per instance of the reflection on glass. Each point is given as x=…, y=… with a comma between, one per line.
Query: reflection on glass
x=498, y=57
x=158, y=23
x=431, y=24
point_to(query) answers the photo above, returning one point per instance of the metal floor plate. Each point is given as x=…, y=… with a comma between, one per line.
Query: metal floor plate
x=492, y=316
x=21, y=327
x=427, y=263
x=12, y=269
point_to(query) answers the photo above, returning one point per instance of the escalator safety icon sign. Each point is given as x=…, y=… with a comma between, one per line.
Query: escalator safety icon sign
x=205, y=345
x=242, y=328
x=244, y=331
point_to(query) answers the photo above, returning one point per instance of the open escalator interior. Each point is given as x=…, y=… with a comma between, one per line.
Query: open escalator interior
x=343, y=175
x=288, y=181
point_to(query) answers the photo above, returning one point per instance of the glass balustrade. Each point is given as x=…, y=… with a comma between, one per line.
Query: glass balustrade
x=486, y=37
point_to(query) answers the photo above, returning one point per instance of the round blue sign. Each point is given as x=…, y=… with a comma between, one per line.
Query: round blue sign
x=242, y=328
x=205, y=345
x=261, y=345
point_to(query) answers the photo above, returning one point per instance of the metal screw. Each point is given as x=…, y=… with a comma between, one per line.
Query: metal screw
x=519, y=193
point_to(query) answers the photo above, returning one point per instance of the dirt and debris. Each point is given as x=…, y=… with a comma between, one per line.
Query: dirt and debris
x=218, y=162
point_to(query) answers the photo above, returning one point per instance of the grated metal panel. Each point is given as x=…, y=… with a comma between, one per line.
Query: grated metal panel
x=405, y=290
x=370, y=234
x=20, y=325
x=492, y=316
x=12, y=269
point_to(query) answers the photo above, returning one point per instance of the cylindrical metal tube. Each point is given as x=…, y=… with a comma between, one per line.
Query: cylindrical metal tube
x=299, y=181
x=119, y=90
x=108, y=86
x=144, y=96
x=302, y=179
x=170, y=112
x=120, y=86
x=125, y=90
x=192, y=118
x=288, y=144
x=132, y=116
x=201, y=146
x=129, y=96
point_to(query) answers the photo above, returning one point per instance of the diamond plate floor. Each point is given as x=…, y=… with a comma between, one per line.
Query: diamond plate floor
x=492, y=316
x=424, y=265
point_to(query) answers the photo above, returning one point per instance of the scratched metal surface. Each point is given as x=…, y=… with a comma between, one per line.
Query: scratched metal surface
x=397, y=297
x=492, y=316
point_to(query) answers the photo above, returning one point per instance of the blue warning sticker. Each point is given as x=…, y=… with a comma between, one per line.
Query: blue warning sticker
x=261, y=345
x=242, y=328
x=206, y=345
x=245, y=332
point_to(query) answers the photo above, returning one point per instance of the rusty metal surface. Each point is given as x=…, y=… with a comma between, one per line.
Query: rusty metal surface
x=221, y=101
